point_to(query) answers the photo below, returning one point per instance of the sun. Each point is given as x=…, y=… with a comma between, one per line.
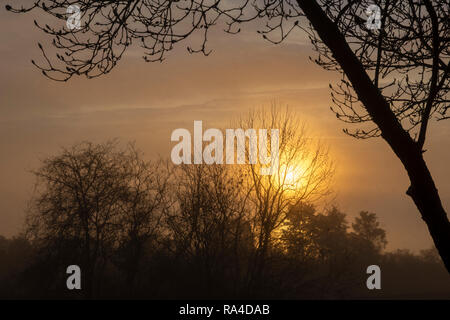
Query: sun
x=290, y=176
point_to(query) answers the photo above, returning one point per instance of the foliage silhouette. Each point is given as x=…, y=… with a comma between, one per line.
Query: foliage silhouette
x=145, y=229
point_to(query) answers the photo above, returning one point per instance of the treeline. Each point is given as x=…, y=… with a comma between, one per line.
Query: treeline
x=141, y=229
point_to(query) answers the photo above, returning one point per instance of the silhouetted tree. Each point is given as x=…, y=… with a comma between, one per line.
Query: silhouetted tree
x=209, y=226
x=142, y=208
x=315, y=257
x=302, y=172
x=396, y=77
x=329, y=257
x=296, y=235
x=368, y=228
x=91, y=200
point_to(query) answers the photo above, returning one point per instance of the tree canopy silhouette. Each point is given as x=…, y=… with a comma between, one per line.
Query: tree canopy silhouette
x=91, y=201
x=393, y=79
x=150, y=230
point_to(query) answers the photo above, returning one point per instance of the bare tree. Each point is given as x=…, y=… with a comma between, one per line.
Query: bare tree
x=395, y=78
x=94, y=202
x=208, y=223
x=303, y=172
x=412, y=47
x=75, y=208
x=142, y=208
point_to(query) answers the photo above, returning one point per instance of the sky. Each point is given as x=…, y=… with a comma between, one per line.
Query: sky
x=145, y=102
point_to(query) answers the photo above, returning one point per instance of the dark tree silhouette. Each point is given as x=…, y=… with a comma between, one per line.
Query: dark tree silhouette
x=148, y=230
x=396, y=78
x=143, y=205
x=304, y=172
x=368, y=228
x=421, y=86
x=91, y=201
x=75, y=206
x=321, y=248
x=208, y=226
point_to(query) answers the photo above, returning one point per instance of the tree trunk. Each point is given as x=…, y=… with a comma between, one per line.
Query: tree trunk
x=422, y=190
x=426, y=198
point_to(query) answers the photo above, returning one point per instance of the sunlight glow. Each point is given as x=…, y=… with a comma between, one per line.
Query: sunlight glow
x=291, y=176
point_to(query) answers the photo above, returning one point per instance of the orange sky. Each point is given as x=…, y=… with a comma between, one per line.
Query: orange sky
x=146, y=102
